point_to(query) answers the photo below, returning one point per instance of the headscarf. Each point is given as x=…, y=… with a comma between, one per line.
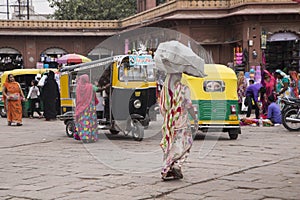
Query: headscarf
x=281, y=73
x=9, y=84
x=50, y=76
x=84, y=94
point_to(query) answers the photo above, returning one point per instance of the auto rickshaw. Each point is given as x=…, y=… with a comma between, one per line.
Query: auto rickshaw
x=132, y=94
x=24, y=78
x=215, y=99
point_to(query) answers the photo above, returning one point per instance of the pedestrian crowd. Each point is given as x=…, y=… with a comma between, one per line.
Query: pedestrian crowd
x=263, y=93
x=260, y=93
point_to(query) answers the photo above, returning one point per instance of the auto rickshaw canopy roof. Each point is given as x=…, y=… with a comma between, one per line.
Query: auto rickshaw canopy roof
x=18, y=72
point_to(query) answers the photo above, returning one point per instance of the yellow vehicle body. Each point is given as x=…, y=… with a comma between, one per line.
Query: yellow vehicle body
x=132, y=93
x=24, y=77
x=215, y=99
x=94, y=68
x=66, y=102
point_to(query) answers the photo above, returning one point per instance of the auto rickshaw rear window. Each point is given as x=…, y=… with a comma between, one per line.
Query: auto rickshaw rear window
x=214, y=86
x=137, y=68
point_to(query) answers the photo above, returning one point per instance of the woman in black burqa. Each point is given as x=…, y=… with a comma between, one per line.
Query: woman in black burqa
x=50, y=95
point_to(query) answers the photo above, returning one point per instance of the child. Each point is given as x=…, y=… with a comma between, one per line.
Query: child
x=33, y=95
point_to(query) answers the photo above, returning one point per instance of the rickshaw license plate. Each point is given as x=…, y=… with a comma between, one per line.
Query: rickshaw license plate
x=232, y=117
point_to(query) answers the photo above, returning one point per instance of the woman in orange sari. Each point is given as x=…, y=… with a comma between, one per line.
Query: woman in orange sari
x=12, y=95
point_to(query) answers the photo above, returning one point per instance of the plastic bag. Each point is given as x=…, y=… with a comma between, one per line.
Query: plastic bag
x=41, y=83
x=244, y=107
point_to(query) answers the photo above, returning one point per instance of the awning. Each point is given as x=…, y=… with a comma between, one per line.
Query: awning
x=286, y=36
x=54, y=51
x=8, y=51
x=220, y=43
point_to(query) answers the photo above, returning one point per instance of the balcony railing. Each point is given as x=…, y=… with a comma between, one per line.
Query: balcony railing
x=60, y=24
x=138, y=19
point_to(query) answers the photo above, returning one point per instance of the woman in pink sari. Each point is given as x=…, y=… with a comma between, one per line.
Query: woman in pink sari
x=85, y=110
x=175, y=105
x=268, y=81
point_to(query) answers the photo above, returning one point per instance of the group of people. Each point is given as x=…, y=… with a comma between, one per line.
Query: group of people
x=263, y=95
x=13, y=96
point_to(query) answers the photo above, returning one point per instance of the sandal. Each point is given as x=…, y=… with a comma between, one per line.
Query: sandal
x=169, y=176
x=177, y=172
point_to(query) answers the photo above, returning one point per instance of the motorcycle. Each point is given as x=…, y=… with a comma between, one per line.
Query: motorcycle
x=291, y=113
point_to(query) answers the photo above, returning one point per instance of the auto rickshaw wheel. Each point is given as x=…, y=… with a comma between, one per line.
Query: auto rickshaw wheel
x=137, y=131
x=113, y=131
x=234, y=133
x=70, y=128
x=2, y=112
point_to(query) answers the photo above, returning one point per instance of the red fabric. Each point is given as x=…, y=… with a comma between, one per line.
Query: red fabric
x=294, y=77
x=268, y=85
x=84, y=94
x=96, y=100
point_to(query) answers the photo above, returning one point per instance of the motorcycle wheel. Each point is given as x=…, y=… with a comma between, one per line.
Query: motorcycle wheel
x=2, y=112
x=290, y=113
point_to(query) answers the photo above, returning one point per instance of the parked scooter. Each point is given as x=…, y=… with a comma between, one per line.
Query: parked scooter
x=291, y=113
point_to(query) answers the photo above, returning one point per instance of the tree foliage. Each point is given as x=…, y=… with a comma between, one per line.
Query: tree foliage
x=92, y=9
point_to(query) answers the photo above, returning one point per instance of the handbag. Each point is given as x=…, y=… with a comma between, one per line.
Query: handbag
x=14, y=97
x=244, y=106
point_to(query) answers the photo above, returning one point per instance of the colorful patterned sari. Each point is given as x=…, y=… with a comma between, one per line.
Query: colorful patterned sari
x=176, y=131
x=85, y=113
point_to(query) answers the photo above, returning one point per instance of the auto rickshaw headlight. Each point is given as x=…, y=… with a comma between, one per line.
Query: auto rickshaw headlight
x=137, y=103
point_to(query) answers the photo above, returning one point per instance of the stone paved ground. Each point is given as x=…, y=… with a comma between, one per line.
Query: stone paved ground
x=38, y=161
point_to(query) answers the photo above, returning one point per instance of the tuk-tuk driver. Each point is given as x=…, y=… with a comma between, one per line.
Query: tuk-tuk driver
x=104, y=87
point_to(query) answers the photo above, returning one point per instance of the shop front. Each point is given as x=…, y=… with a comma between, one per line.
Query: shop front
x=10, y=59
x=48, y=58
x=283, y=52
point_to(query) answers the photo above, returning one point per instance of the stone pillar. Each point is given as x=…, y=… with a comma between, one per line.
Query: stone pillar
x=254, y=44
x=29, y=56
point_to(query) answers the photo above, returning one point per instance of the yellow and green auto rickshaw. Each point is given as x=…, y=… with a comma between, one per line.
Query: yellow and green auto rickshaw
x=132, y=94
x=215, y=99
x=24, y=78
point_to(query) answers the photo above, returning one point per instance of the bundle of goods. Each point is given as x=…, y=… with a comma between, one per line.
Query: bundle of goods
x=255, y=122
x=238, y=55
